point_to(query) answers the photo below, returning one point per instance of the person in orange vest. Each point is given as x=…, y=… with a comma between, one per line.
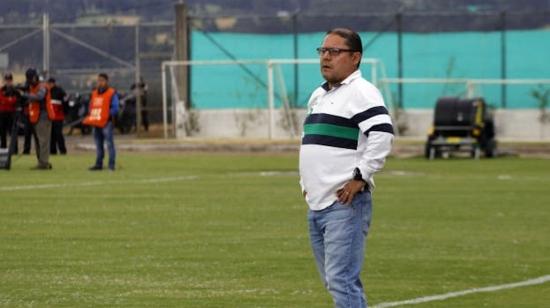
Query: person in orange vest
x=38, y=103
x=8, y=100
x=58, y=116
x=103, y=108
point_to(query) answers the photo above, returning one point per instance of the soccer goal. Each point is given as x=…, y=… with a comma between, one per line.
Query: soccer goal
x=264, y=98
x=422, y=93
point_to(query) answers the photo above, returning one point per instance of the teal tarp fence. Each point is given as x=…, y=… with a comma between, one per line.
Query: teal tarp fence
x=425, y=55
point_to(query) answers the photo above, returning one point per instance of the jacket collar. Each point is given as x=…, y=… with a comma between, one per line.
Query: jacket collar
x=102, y=90
x=348, y=80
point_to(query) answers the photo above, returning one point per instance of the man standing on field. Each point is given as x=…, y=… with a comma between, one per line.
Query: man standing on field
x=103, y=109
x=347, y=135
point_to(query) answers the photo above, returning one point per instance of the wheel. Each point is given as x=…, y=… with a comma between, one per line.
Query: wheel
x=427, y=149
x=434, y=152
x=476, y=152
x=490, y=148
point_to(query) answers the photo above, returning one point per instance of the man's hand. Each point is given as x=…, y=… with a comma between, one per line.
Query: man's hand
x=304, y=193
x=345, y=195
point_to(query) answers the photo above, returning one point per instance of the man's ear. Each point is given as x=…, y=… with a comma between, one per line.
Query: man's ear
x=357, y=58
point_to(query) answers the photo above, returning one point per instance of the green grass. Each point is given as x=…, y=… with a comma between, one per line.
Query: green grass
x=234, y=238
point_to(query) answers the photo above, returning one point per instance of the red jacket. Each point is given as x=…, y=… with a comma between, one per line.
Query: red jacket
x=7, y=103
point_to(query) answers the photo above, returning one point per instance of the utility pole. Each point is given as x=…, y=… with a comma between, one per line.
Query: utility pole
x=137, y=89
x=46, y=43
x=296, y=56
x=503, y=58
x=399, y=21
x=182, y=52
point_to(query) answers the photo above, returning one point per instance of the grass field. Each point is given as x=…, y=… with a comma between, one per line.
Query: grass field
x=229, y=230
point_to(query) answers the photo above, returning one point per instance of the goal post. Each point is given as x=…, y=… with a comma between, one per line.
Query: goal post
x=422, y=93
x=267, y=98
x=267, y=85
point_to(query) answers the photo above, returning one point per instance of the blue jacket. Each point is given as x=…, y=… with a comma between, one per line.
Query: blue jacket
x=115, y=103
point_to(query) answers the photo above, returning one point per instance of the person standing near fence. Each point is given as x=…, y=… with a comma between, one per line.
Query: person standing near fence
x=38, y=100
x=57, y=112
x=347, y=135
x=104, y=105
x=141, y=90
x=8, y=101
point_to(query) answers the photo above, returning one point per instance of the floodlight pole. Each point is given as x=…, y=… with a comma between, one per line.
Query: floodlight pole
x=46, y=44
x=503, y=60
x=182, y=51
x=296, y=56
x=399, y=21
x=137, y=89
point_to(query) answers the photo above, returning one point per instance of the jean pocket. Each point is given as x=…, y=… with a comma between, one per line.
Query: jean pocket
x=361, y=198
x=339, y=211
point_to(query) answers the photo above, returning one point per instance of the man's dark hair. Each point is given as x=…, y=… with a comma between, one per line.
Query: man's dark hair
x=31, y=75
x=51, y=80
x=353, y=40
x=104, y=76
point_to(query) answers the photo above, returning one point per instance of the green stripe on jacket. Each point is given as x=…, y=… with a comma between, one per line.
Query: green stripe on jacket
x=332, y=130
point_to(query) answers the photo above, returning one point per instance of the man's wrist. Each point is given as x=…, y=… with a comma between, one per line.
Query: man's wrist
x=358, y=176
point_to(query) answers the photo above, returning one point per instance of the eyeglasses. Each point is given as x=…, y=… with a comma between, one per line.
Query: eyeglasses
x=333, y=51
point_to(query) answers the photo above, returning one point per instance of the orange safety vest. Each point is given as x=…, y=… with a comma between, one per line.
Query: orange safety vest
x=34, y=106
x=54, y=108
x=100, y=107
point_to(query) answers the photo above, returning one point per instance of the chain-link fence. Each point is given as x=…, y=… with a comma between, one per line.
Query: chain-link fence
x=75, y=53
x=499, y=45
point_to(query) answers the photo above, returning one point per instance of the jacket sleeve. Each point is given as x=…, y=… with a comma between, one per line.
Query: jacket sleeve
x=375, y=123
x=40, y=95
x=114, y=105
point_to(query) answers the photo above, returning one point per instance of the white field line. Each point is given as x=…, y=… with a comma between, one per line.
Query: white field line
x=279, y=173
x=440, y=297
x=98, y=183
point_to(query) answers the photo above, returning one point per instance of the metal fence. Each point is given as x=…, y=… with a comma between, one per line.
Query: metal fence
x=499, y=45
x=75, y=53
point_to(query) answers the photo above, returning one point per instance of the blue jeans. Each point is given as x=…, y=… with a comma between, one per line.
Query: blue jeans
x=102, y=135
x=337, y=236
